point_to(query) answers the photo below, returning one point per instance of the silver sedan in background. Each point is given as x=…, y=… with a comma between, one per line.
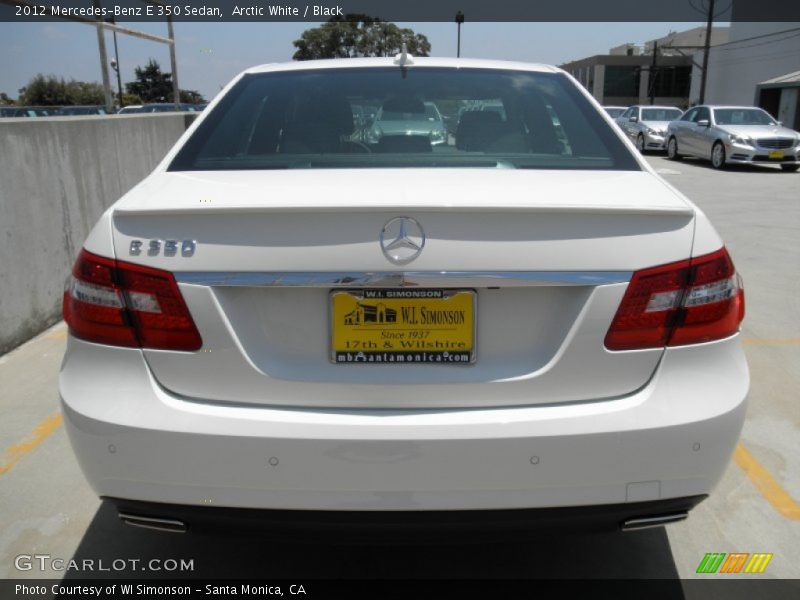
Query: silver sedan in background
x=615, y=111
x=733, y=134
x=647, y=125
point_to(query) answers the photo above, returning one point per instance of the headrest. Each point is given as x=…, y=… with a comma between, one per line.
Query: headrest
x=333, y=113
x=480, y=117
x=404, y=144
x=404, y=104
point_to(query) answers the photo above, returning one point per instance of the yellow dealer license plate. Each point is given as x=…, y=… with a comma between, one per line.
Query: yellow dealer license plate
x=776, y=154
x=402, y=326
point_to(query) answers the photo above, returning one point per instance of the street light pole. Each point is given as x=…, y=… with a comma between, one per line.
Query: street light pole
x=459, y=21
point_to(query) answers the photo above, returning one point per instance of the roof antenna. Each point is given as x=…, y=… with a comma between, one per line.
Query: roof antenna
x=404, y=58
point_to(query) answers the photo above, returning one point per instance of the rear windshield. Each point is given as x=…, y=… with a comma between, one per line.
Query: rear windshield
x=660, y=114
x=742, y=116
x=414, y=117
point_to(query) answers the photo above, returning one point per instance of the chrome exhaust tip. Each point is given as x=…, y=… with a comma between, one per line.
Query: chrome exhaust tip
x=654, y=521
x=157, y=523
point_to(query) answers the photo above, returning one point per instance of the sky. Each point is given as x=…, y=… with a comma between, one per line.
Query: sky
x=211, y=54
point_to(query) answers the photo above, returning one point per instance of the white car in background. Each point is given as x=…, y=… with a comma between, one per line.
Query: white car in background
x=130, y=109
x=285, y=323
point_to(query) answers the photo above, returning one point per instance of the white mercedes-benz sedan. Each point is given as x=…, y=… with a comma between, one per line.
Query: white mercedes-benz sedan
x=290, y=321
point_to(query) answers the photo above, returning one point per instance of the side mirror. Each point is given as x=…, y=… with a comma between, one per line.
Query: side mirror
x=703, y=123
x=633, y=119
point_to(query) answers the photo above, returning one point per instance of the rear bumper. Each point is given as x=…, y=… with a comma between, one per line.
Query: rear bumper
x=398, y=525
x=671, y=439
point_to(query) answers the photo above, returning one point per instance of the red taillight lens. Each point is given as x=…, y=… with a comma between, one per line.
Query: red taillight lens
x=122, y=304
x=713, y=306
x=686, y=302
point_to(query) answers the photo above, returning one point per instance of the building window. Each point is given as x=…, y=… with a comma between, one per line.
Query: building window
x=673, y=82
x=621, y=81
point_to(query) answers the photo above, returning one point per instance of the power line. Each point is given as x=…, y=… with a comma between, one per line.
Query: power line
x=703, y=8
x=722, y=45
x=751, y=58
x=759, y=44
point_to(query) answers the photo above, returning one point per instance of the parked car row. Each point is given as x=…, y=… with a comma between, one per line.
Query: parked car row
x=160, y=107
x=50, y=111
x=722, y=134
x=71, y=111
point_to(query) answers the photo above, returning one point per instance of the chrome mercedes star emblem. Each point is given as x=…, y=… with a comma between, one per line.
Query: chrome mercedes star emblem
x=402, y=239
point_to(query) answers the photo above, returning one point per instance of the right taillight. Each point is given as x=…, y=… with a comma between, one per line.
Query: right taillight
x=122, y=304
x=687, y=302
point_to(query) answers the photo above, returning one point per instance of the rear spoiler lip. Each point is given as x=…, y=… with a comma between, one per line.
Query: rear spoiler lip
x=593, y=209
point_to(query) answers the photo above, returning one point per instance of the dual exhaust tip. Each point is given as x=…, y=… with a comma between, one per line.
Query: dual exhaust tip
x=157, y=523
x=637, y=523
x=177, y=526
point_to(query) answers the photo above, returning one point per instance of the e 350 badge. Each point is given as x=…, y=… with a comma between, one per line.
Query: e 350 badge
x=165, y=247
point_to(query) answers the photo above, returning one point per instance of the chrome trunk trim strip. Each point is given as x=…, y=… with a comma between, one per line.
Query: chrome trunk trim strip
x=354, y=279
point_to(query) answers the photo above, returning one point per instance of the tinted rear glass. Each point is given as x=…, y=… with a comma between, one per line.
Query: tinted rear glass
x=418, y=117
x=742, y=116
x=660, y=114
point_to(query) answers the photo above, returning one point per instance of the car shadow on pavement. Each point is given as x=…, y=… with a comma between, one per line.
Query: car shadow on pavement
x=642, y=554
x=735, y=167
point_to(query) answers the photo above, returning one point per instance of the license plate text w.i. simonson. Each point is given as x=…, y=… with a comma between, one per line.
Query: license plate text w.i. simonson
x=403, y=326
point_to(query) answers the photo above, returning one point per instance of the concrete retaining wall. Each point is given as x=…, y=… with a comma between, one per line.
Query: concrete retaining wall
x=57, y=176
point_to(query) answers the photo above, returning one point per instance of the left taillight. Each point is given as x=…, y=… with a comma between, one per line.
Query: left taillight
x=122, y=304
x=688, y=302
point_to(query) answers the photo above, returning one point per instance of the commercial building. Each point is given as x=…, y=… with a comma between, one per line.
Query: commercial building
x=632, y=74
x=780, y=96
x=623, y=80
x=683, y=43
x=759, y=65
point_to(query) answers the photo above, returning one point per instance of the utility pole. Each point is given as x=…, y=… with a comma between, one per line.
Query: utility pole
x=653, y=74
x=100, y=26
x=115, y=65
x=706, y=48
x=101, y=43
x=459, y=21
x=176, y=94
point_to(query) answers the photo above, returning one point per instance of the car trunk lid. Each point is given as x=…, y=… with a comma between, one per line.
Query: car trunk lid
x=547, y=255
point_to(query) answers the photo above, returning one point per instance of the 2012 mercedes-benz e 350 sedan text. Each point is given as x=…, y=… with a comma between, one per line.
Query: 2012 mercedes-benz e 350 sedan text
x=514, y=320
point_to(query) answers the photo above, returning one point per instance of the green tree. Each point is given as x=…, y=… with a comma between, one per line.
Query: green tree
x=84, y=92
x=192, y=97
x=5, y=100
x=151, y=85
x=44, y=90
x=49, y=90
x=129, y=99
x=352, y=36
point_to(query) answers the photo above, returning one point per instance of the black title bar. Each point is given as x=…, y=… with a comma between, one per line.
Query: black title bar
x=405, y=589
x=227, y=11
